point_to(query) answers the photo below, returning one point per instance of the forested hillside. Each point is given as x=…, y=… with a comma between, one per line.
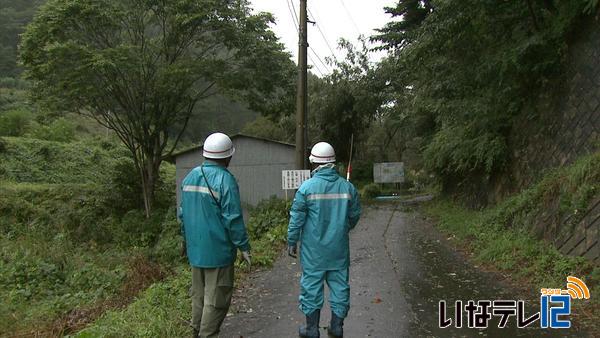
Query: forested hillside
x=14, y=16
x=219, y=111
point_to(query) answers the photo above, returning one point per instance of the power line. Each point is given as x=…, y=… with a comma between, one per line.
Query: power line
x=293, y=14
x=319, y=58
x=314, y=64
x=323, y=34
x=350, y=16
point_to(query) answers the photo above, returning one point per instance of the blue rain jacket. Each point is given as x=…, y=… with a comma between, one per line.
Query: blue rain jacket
x=213, y=231
x=326, y=207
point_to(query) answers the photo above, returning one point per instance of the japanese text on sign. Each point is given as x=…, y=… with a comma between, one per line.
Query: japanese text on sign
x=292, y=179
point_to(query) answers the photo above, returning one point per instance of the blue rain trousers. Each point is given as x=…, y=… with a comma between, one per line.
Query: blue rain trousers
x=311, y=294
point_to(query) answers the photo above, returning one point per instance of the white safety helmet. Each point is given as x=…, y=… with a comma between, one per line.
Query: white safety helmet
x=218, y=146
x=322, y=152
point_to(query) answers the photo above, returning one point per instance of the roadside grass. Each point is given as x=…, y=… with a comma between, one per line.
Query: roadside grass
x=509, y=237
x=76, y=251
x=72, y=242
x=164, y=309
x=41, y=280
x=159, y=311
x=52, y=284
x=510, y=250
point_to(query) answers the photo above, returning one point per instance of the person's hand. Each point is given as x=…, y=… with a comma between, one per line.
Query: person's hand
x=183, y=248
x=293, y=250
x=247, y=257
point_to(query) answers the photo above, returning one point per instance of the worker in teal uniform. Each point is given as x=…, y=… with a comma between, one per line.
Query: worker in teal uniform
x=325, y=208
x=213, y=230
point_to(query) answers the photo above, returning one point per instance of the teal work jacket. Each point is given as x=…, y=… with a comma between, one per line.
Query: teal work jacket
x=325, y=208
x=213, y=230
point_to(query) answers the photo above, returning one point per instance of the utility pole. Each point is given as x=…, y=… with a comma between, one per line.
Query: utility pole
x=302, y=95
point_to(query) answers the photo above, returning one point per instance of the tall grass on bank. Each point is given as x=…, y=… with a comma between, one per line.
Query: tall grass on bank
x=73, y=240
x=511, y=250
x=164, y=309
x=510, y=236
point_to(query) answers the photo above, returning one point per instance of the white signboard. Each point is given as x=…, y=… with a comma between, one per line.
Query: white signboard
x=292, y=179
x=389, y=172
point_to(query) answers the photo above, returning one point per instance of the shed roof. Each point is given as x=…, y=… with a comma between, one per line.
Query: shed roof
x=172, y=157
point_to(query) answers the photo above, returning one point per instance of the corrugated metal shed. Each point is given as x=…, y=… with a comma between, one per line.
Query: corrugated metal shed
x=256, y=164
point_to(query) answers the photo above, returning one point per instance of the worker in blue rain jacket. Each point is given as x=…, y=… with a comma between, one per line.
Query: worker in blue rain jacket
x=326, y=207
x=213, y=230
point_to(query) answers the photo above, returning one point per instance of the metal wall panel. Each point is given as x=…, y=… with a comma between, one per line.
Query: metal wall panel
x=256, y=164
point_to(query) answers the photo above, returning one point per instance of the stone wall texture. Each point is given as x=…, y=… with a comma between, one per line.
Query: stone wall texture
x=564, y=126
x=583, y=239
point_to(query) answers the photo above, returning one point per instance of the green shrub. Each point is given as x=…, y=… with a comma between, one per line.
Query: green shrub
x=78, y=211
x=42, y=278
x=267, y=215
x=123, y=189
x=37, y=161
x=266, y=249
x=370, y=191
x=13, y=83
x=14, y=99
x=168, y=246
x=165, y=187
x=59, y=130
x=15, y=122
x=134, y=229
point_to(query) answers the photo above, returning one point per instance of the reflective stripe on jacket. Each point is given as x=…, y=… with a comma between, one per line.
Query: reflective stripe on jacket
x=213, y=231
x=325, y=209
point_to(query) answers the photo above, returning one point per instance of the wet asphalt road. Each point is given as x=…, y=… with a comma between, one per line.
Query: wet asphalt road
x=400, y=268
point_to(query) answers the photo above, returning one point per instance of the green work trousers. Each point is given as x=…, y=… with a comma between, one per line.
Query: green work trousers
x=211, y=296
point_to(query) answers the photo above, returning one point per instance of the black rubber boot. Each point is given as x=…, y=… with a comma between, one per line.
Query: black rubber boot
x=311, y=329
x=336, y=326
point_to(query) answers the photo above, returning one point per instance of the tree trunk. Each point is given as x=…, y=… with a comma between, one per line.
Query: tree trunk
x=532, y=14
x=150, y=173
x=148, y=167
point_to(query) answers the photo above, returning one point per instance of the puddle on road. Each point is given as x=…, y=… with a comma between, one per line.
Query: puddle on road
x=432, y=272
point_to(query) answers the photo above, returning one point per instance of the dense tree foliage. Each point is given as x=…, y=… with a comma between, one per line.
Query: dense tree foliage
x=140, y=67
x=344, y=102
x=218, y=112
x=459, y=73
x=408, y=15
x=264, y=127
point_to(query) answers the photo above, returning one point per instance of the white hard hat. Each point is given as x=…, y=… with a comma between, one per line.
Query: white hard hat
x=217, y=146
x=322, y=152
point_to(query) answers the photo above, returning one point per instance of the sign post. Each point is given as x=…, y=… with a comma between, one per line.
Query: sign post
x=388, y=172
